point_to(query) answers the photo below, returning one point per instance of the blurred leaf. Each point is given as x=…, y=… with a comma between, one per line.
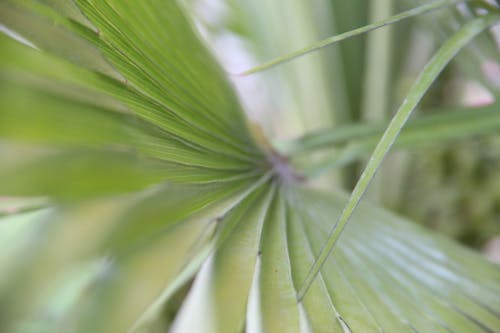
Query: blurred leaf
x=47, y=33
x=78, y=173
x=349, y=15
x=18, y=235
x=303, y=92
x=173, y=224
x=351, y=142
x=35, y=114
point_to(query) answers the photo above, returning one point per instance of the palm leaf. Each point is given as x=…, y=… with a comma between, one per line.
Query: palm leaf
x=152, y=178
x=419, y=287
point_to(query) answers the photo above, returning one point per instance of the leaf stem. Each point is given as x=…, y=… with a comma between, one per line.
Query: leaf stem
x=427, y=8
x=442, y=57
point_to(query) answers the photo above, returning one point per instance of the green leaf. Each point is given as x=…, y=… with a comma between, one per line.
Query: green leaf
x=174, y=223
x=353, y=55
x=417, y=91
x=31, y=113
x=426, y=282
x=174, y=139
x=275, y=298
x=173, y=69
x=83, y=173
x=78, y=174
x=225, y=275
x=48, y=100
x=48, y=33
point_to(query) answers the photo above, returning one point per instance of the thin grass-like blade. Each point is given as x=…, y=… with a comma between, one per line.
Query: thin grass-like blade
x=335, y=39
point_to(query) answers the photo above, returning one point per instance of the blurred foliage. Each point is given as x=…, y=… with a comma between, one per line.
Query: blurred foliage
x=456, y=190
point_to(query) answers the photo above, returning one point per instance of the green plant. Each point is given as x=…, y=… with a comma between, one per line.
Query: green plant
x=141, y=173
